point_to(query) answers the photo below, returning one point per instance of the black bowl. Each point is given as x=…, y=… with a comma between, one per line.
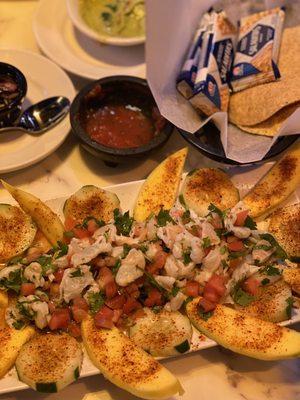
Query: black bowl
x=136, y=88
x=207, y=140
x=11, y=112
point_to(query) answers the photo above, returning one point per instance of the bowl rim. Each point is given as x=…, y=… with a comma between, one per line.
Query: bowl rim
x=22, y=86
x=83, y=136
x=72, y=7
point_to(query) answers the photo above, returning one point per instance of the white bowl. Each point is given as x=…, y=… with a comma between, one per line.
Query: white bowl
x=73, y=11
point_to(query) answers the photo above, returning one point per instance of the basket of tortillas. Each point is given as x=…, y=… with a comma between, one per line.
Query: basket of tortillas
x=239, y=69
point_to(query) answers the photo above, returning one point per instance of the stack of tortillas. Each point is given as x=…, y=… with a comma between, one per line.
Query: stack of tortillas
x=263, y=109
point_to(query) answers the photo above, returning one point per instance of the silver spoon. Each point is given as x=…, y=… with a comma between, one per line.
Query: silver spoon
x=41, y=116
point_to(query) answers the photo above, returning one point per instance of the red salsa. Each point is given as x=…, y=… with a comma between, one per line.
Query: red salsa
x=119, y=126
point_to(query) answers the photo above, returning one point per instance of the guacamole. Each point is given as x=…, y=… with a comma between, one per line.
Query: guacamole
x=125, y=18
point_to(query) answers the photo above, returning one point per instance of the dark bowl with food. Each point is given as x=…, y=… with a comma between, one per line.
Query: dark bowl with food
x=13, y=89
x=116, y=119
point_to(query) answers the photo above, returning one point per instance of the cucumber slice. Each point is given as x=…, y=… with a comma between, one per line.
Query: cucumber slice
x=17, y=231
x=91, y=201
x=162, y=334
x=49, y=362
x=209, y=185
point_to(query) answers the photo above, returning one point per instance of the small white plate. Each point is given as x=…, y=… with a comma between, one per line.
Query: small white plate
x=76, y=52
x=44, y=79
x=73, y=11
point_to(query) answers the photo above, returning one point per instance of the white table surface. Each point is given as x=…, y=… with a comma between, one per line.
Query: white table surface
x=213, y=374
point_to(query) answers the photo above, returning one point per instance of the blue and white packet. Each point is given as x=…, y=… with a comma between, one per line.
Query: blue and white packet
x=257, y=49
x=187, y=75
x=211, y=89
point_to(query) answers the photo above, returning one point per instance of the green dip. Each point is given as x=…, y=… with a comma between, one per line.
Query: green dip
x=125, y=18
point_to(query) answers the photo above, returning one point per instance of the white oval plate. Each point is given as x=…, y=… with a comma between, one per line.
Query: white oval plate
x=76, y=52
x=45, y=79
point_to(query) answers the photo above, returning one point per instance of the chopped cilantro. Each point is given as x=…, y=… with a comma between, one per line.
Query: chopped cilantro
x=123, y=222
x=223, y=250
x=116, y=267
x=96, y=301
x=290, y=302
x=46, y=264
x=18, y=324
x=69, y=234
x=271, y=271
x=144, y=248
x=99, y=222
x=156, y=309
x=76, y=274
x=186, y=217
x=15, y=260
x=182, y=201
x=188, y=300
x=214, y=209
x=250, y=223
x=205, y=315
x=186, y=256
x=206, y=242
x=26, y=312
x=150, y=278
x=174, y=291
x=236, y=254
x=224, y=264
x=163, y=217
x=265, y=281
x=279, y=251
x=241, y=297
x=126, y=250
x=13, y=281
x=262, y=247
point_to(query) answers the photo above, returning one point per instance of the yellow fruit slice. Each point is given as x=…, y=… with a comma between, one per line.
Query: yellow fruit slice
x=282, y=179
x=246, y=335
x=161, y=187
x=127, y=365
x=12, y=341
x=48, y=222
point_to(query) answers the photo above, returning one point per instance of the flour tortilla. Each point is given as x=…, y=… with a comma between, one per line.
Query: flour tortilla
x=257, y=104
x=272, y=125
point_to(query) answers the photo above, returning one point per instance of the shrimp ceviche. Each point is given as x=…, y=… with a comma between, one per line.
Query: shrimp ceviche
x=117, y=269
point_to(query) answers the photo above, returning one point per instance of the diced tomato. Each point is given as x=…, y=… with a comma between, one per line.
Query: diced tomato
x=117, y=315
x=158, y=262
x=251, y=285
x=92, y=226
x=238, y=245
x=111, y=289
x=27, y=289
x=140, y=281
x=231, y=239
x=196, y=230
x=60, y=319
x=206, y=305
x=206, y=251
x=104, y=318
x=217, y=283
x=117, y=302
x=74, y=329
x=234, y=262
x=138, y=314
x=131, y=305
x=105, y=276
x=241, y=218
x=80, y=302
x=78, y=313
x=81, y=233
x=133, y=287
x=154, y=298
x=58, y=275
x=70, y=223
x=210, y=294
x=192, y=289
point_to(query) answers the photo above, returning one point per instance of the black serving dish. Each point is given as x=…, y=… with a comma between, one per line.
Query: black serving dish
x=136, y=88
x=207, y=140
x=11, y=101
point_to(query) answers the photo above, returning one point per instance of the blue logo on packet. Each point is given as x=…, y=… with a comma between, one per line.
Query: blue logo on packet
x=243, y=69
x=211, y=90
x=255, y=40
x=223, y=53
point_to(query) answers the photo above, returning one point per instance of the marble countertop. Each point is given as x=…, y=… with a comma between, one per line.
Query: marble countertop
x=214, y=374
